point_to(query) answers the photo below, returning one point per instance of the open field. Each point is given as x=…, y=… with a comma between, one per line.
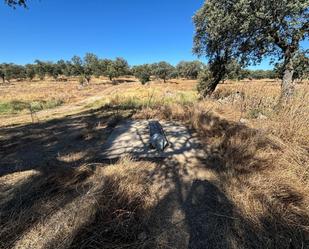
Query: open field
x=249, y=190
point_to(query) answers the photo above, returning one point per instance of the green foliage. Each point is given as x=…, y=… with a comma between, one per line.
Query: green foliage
x=110, y=71
x=142, y=72
x=162, y=70
x=65, y=67
x=248, y=30
x=301, y=67
x=77, y=66
x=212, y=76
x=116, y=68
x=42, y=105
x=262, y=74
x=12, y=107
x=30, y=71
x=40, y=69
x=189, y=69
x=204, y=79
x=233, y=70
x=16, y=106
x=12, y=71
x=121, y=66
x=91, y=66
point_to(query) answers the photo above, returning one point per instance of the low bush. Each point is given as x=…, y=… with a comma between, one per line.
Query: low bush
x=14, y=107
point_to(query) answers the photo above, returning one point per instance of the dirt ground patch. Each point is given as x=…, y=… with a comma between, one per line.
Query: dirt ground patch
x=132, y=137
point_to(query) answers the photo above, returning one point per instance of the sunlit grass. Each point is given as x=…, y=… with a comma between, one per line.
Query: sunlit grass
x=16, y=106
x=141, y=98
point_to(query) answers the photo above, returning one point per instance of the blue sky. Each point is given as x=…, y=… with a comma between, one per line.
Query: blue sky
x=141, y=31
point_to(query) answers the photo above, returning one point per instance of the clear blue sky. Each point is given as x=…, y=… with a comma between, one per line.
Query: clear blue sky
x=141, y=31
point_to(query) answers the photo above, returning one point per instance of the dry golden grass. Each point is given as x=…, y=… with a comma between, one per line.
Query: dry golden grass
x=250, y=190
x=70, y=91
x=262, y=170
x=98, y=93
x=93, y=206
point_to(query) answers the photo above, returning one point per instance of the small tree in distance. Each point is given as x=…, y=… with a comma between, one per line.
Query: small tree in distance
x=30, y=71
x=142, y=73
x=189, y=69
x=162, y=70
x=118, y=67
x=40, y=69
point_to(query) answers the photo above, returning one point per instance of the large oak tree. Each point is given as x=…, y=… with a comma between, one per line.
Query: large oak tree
x=249, y=30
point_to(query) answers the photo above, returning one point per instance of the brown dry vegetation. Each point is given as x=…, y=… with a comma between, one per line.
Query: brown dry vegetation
x=249, y=190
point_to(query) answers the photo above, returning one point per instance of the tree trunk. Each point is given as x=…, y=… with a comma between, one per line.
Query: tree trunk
x=211, y=87
x=88, y=78
x=287, y=85
x=218, y=71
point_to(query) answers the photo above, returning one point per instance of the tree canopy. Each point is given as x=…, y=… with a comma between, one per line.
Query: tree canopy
x=142, y=73
x=249, y=30
x=189, y=69
x=14, y=3
x=163, y=70
x=92, y=66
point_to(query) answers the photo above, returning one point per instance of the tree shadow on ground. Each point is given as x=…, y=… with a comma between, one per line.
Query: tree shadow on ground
x=49, y=154
x=69, y=141
x=191, y=211
x=237, y=208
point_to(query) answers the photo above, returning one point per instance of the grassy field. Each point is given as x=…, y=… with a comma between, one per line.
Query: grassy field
x=250, y=190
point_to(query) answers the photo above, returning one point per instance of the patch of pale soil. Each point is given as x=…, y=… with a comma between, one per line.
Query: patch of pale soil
x=132, y=137
x=180, y=181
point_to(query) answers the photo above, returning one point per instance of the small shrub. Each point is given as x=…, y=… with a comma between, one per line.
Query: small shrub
x=15, y=107
x=144, y=78
x=254, y=113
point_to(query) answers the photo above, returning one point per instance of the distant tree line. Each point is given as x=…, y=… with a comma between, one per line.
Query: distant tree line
x=84, y=68
x=92, y=66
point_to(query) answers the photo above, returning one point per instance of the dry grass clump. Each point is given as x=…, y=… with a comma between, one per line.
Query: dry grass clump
x=251, y=98
x=259, y=100
x=94, y=206
x=292, y=121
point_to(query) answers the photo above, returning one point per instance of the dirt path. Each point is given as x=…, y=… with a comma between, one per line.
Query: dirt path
x=58, y=112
